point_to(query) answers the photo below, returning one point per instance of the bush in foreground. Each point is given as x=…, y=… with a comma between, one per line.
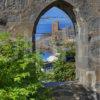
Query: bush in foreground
x=20, y=69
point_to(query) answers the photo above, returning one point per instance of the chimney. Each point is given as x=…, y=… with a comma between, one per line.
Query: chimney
x=55, y=26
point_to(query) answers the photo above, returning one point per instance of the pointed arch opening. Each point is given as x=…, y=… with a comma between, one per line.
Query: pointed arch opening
x=64, y=6
x=56, y=31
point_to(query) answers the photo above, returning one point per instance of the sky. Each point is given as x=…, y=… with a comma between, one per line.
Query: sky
x=52, y=15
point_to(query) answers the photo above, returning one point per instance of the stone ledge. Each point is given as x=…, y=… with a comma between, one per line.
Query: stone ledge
x=72, y=90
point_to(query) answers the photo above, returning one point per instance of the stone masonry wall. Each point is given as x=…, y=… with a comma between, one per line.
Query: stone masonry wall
x=19, y=16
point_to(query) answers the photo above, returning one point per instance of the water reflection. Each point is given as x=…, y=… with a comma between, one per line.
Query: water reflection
x=45, y=55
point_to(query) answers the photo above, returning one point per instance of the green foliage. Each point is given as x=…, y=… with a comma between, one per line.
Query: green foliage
x=45, y=94
x=48, y=76
x=20, y=69
x=4, y=35
x=62, y=70
x=65, y=70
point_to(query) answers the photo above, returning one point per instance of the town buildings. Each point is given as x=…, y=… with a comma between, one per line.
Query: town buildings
x=55, y=40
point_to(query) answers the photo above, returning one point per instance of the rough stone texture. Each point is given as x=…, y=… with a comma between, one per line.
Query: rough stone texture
x=22, y=16
x=71, y=91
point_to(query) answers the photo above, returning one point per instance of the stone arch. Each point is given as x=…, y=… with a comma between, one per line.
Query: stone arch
x=85, y=16
x=81, y=27
x=69, y=9
x=64, y=6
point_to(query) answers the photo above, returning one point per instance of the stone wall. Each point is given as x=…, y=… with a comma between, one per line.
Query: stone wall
x=22, y=16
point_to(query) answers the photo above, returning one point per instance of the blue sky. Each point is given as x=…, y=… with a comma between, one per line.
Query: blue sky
x=54, y=14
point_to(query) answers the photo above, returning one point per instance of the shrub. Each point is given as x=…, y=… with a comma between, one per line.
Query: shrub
x=20, y=69
x=64, y=69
